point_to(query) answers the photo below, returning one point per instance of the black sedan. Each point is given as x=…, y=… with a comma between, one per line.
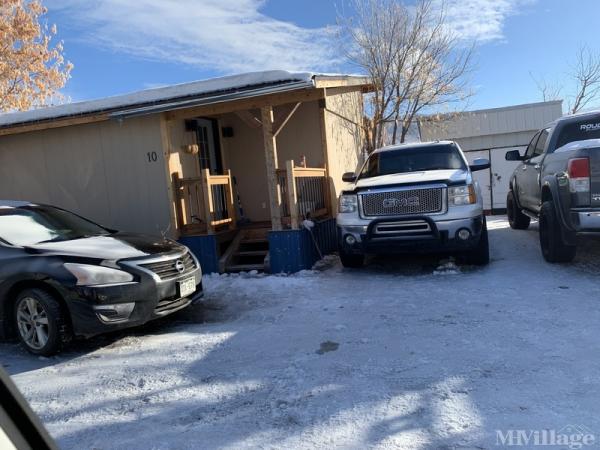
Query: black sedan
x=63, y=276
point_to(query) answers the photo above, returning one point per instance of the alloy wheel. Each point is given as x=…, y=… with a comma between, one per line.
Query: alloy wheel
x=32, y=321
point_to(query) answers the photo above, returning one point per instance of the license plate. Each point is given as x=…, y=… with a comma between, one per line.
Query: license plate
x=187, y=287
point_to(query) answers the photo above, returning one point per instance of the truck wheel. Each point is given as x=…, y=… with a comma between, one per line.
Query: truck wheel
x=40, y=322
x=352, y=261
x=516, y=219
x=480, y=255
x=553, y=246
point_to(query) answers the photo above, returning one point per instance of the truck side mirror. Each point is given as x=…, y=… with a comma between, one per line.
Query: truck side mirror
x=513, y=155
x=349, y=177
x=480, y=164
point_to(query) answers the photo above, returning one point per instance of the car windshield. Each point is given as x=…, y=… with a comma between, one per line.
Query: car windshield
x=34, y=224
x=579, y=131
x=413, y=159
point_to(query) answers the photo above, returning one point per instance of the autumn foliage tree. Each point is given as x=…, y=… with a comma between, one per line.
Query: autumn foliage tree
x=32, y=70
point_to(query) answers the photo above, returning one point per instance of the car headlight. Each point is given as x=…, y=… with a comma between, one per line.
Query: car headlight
x=348, y=203
x=89, y=275
x=462, y=195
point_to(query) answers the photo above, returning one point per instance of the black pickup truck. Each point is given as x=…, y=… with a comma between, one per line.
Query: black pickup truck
x=558, y=183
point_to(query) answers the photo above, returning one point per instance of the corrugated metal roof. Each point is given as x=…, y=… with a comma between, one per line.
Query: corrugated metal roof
x=169, y=97
x=488, y=122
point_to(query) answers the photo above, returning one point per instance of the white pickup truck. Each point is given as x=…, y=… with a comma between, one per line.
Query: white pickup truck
x=413, y=198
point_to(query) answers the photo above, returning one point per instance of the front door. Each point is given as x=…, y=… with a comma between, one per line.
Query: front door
x=207, y=139
x=534, y=168
x=524, y=173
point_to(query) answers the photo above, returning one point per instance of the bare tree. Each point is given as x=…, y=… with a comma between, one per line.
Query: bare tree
x=415, y=62
x=548, y=91
x=587, y=76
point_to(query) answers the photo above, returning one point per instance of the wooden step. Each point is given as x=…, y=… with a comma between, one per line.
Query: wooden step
x=245, y=267
x=252, y=253
x=254, y=241
x=227, y=256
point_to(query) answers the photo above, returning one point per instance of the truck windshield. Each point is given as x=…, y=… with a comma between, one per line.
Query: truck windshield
x=579, y=131
x=31, y=225
x=413, y=159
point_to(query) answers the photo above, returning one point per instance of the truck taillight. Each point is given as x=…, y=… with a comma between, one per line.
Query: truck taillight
x=579, y=174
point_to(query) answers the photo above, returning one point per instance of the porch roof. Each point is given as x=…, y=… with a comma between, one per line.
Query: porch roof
x=179, y=96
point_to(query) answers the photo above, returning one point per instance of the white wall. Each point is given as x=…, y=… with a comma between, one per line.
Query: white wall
x=490, y=134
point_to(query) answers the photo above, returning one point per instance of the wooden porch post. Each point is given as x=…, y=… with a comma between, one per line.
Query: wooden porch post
x=179, y=203
x=292, y=196
x=271, y=162
x=231, y=202
x=208, y=201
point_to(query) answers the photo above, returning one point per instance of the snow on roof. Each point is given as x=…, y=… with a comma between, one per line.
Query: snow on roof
x=241, y=82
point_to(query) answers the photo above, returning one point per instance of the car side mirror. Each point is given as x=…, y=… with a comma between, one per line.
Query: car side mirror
x=349, y=177
x=513, y=155
x=480, y=164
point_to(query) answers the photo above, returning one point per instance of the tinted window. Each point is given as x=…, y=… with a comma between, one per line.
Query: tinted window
x=413, y=159
x=34, y=224
x=531, y=146
x=541, y=143
x=579, y=131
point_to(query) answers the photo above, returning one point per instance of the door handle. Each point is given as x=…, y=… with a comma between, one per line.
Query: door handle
x=524, y=168
x=537, y=167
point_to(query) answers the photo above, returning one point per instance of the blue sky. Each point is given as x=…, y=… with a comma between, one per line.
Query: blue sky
x=119, y=46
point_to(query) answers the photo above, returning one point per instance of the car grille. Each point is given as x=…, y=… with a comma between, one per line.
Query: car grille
x=168, y=269
x=169, y=304
x=411, y=201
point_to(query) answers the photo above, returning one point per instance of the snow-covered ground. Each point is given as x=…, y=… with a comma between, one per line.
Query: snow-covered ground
x=401, y=354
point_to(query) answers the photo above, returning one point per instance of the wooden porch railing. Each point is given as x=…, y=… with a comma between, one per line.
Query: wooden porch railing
x=304, y=192
x=204, y=202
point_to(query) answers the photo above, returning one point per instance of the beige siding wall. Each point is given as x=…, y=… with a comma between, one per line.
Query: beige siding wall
x=245, y=154
x=342, y=119
x=99, y=170
x=301, y=136
x=185, y=164
x=245, y=157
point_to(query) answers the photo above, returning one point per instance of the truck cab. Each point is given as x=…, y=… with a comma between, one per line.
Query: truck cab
x=558, y=183
x=413, y=198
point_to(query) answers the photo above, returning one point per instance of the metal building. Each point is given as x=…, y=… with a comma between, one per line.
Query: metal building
x=490, y=133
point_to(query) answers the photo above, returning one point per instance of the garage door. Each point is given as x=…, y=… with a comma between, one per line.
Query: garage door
x=482, y=177
x=501, y=173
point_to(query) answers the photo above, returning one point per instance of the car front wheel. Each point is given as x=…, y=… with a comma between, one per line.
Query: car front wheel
x=40, y=322
x=480, y=254
x=516, y=219
x=350, y=260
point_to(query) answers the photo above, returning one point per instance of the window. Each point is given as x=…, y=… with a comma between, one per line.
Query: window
x=531, y=146
x=203, y=147
x=36, y=224
x=413, y=159
x=579, y=131
x=541, y=143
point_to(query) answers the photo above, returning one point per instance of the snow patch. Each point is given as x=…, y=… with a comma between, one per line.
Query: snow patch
x=447, y=267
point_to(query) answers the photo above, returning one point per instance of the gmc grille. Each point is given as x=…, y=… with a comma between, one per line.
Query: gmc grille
x=403, y=202
x=168, y=269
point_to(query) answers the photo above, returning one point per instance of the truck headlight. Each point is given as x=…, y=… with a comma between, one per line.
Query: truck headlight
x=348, y=203
x=462, y=195
x=89, y=275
